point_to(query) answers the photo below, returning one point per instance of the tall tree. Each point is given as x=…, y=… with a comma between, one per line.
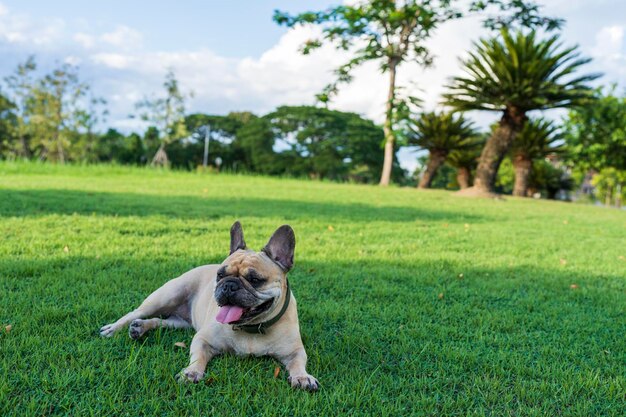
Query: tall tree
x=514, y=74
x=167, y=115
x=55, y=107
x=20, y=87
x=394, y=32
x=538, y=139
x=440, y=134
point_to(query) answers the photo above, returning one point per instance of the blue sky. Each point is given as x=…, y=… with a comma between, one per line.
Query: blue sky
x=234, y=57
x=230, y=28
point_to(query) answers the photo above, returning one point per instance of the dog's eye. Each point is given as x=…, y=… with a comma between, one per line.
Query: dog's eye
x=221, y=273
x=254, y=278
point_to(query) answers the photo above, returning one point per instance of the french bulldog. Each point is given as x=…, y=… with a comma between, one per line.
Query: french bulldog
x=242, y=306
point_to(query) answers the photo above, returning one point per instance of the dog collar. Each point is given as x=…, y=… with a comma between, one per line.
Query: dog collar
x=261, y=328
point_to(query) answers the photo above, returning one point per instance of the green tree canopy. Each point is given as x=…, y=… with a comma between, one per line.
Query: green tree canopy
x=7, y=126
x=596, y=134
x=20, y=85
x=324, y=143
x=56, y=109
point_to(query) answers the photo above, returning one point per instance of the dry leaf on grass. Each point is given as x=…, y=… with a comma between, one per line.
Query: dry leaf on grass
x=461, y=276
x=332, y=229
x=565, y=222
x=276, y=371
x=8, y=328
x=563, y=261
x=440, y=296
x=180, y=344
x=66, y=249
x=573, y=286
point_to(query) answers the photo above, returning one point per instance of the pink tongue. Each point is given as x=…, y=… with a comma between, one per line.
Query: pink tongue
x=229, y=314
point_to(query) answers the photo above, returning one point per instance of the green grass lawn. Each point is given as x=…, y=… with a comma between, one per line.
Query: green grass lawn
x=411, y=302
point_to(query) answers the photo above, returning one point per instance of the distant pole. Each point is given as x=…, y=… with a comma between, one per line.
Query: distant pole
x=207, y=134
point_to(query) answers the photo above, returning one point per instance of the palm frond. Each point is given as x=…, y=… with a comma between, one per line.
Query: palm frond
x=520, y=70
x=539, y=138
x=442, y=132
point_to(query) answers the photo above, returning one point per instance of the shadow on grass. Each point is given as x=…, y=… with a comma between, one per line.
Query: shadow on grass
x=363, y=290
x=21, y=203
x=417, y=328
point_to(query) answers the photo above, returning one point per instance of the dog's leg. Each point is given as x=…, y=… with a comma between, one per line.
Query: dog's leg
x=200, y=353
x=109, y=330
x=163, y=302
x=296, y=366
x=139, y=327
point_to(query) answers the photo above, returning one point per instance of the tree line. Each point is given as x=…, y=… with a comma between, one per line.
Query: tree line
x=518, y=71
x=54, y=117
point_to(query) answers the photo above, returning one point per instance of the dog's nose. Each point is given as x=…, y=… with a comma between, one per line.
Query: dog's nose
x=232, y=286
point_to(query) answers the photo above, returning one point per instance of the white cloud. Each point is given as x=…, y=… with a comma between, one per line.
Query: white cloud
x=123, y=37
x=111, y=60
x=72, y=60
x=21, y=29
x=609, y=52
x=609, y=42
x=85, y=40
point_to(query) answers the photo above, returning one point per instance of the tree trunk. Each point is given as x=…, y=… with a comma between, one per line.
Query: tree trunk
x=463, y=177
x=160, y=157
x=497, y=146
x=435, y=160
x=24, y=149
x=60, y=150
x=522, y=166
x=385, y=177
x=57, y=133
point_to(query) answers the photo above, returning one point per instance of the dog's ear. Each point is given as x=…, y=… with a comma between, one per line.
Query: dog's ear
x=236, y=238
x=281, y=247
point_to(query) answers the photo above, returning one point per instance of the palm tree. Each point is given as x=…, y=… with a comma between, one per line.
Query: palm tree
x=539, y=139
x=440, y=134
x=466, y=160
x=515, y=74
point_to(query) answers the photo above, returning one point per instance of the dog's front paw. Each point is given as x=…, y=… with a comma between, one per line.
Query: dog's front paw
x=189, y=375
x=136, y=329
x=305, y=382
x=108, y=330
